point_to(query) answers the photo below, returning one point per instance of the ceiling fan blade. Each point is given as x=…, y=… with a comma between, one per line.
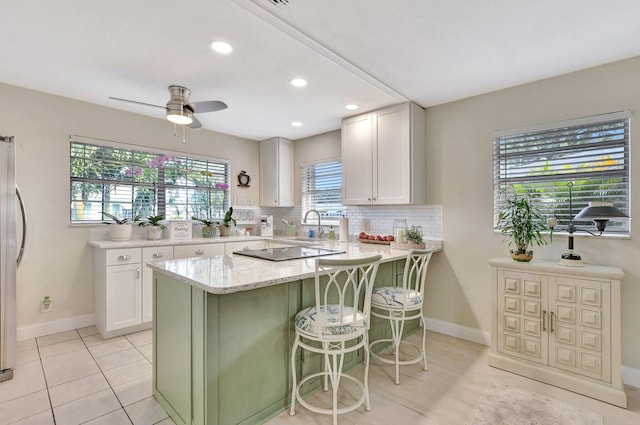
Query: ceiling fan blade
x=135, y=101
x=196, y=123
x=208, y=106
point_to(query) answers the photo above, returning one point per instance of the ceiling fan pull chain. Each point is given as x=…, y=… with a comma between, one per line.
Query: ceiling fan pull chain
x=184, y=132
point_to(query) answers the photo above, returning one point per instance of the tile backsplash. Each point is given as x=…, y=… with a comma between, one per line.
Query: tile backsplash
x=380, y=218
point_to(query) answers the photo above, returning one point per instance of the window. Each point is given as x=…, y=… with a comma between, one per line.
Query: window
x=126, y=181
x=322, y=189
x=592, y=153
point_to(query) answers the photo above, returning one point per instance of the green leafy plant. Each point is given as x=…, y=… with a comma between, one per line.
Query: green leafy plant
x=414, y=234
x=227, y=217
x=521, y=223
x=119, y=220
x=204, y=221
x=153, y=220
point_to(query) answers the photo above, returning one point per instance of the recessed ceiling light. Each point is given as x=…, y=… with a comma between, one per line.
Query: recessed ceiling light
x=296, y=124
x=221, y=47
x=298, y=82
x=351, y=106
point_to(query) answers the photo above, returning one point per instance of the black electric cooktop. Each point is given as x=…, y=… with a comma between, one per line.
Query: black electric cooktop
x=287, y=253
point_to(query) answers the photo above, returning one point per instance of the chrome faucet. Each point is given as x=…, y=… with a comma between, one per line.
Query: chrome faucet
x=320, y=228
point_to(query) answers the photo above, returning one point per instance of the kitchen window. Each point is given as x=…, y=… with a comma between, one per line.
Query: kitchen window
x=322, y=189
x=127, y=181
x=591, y=152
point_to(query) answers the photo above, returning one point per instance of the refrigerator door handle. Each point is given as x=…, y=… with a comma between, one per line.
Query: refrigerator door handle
x=23, y=213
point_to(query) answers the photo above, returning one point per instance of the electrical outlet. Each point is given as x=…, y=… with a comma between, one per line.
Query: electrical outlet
x=366, y=226
x=46, y=305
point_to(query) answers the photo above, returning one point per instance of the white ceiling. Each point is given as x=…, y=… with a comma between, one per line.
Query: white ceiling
x=370, y=52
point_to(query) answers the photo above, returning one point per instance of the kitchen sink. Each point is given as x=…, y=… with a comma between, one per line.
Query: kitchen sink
x=287, y=253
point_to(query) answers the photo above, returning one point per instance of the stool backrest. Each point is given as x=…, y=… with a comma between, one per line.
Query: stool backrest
x=346, y=285
x=415, y=270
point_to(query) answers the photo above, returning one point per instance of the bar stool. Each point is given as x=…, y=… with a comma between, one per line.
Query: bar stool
x=337, y=324
x=398, y=304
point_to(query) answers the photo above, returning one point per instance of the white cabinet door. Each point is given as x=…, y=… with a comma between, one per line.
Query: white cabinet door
x=383, y=157
x=580, y=323
x=276, y=172
x=229, y=247
x=392, y=166
x=155, y=253
x=123, y=296
x=357, y=160
x=198, y=250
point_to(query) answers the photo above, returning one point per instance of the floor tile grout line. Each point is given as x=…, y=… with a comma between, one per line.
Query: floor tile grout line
x=108, y=383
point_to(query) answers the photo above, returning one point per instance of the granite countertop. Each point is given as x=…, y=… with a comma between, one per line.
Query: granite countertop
x=135, y=243
x=225, y=274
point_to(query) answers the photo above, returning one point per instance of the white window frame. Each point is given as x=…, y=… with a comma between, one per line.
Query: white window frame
x=308, y=202
x=211, y=186
x=592, y=152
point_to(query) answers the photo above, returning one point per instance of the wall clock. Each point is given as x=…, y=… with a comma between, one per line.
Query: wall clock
x=243, y=179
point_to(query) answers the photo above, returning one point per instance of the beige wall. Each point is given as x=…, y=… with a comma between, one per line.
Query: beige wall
x=459, y=166
x=58, y=261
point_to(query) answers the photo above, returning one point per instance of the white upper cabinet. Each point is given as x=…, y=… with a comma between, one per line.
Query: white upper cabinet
x=276, y=172
x=383, y=157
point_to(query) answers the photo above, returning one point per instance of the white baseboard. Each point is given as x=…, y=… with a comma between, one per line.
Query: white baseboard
x=630, y=375
x=55, y=326
x=463, y=332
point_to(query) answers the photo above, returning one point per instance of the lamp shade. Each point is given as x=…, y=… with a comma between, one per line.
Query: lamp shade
x=600, y=211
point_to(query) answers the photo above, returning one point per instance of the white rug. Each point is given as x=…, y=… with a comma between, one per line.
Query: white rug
x=502, y=404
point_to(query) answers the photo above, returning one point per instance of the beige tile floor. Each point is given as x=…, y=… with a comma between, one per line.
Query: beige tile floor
x=76, y=377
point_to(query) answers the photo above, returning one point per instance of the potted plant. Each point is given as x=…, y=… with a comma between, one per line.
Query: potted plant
x=121, y=230
x=521, y=223
x=154, y=228
x=209, y=228
x=226, y=222
x=414, y=237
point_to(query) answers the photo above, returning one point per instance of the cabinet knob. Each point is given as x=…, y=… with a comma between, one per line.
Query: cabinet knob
x=199, y=251
x=124, y=257
x=158, y=254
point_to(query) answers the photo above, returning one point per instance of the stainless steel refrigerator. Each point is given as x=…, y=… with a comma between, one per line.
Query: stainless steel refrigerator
x=9, y=257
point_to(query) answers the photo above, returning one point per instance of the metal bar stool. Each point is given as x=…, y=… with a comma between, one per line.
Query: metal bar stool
x=337, y=324
x=398, y=304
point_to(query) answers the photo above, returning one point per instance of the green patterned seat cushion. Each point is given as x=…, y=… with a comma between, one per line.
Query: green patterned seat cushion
x=395, y=296
x=307, y=321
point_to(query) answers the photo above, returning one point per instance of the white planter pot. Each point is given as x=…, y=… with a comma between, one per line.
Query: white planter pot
x=120, y=232
x=154, y=233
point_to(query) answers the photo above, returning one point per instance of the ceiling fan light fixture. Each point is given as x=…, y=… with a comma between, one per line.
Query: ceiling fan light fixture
x=179, y=116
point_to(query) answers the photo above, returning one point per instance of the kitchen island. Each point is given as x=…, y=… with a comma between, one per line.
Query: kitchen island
x=223, y=331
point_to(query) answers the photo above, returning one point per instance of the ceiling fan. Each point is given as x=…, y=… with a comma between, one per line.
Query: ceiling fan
x=179, y=110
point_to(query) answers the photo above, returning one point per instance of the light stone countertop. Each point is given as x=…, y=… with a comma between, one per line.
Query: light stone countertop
x=135, y=243
x=226, y=274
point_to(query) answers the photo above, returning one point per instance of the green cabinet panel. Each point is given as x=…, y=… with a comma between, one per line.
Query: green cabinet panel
x=172, y=347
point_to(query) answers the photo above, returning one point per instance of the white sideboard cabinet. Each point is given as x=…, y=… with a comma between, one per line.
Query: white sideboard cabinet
x=276, y=172
x=383, y=157
x=559, y=325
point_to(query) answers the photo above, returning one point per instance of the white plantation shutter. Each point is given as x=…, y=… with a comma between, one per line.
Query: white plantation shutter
x=591, y=152
x=322, y=189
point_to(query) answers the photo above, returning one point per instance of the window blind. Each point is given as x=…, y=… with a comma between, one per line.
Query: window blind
x=127, y=181
x=322, y=189
x=592, y=153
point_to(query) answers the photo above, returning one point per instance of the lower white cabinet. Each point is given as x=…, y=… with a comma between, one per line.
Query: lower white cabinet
x=118, y=290
x=559, y=325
